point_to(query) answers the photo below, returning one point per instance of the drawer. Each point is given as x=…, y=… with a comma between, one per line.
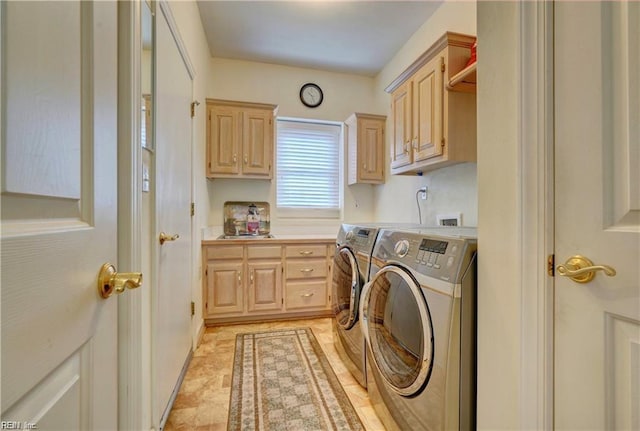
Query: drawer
x=306, y=294
x=319, y=250
x=224, y=252
x=306, y=268
x=264, y=251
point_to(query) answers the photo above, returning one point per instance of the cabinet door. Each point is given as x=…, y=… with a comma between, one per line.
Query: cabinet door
x=265, y=286
x=257, y=142
x=224, y=140
x=370, y=145
x=224, y=288
x=401, y=113
x=427, y=110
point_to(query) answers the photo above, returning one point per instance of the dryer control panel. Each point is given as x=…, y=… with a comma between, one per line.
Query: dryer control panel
x=358, y=238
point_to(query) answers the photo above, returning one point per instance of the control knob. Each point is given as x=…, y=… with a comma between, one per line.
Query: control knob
x=402, y=248
x=349, y=236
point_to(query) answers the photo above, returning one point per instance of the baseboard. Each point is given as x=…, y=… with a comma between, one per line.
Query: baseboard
x=200, y=335
x=174, y=393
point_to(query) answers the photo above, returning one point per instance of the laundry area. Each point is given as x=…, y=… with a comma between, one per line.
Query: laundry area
x=320, y=215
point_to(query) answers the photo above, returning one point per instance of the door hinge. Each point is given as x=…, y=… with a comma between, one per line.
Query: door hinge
x=193, y=308
x=551, y=264
x=442, y=66
x=282, y=301
x=206, y=271
x=193, y=209
x=193, y=108
x=442, y=142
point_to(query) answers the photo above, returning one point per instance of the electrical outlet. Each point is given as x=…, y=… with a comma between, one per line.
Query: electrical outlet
x=423, y=196
x=449, y=219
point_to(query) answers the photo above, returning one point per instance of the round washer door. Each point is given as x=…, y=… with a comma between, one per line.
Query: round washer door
x=398, y=330
x=345, y=288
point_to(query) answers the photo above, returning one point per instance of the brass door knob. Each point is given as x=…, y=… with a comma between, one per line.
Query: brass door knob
x=582, y=270
x=110, y=281
x=164, y=237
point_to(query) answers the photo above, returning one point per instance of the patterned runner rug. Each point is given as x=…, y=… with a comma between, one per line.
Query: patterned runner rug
x=283, y=381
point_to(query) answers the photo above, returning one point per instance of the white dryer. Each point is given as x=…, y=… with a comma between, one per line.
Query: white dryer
x=418, y=315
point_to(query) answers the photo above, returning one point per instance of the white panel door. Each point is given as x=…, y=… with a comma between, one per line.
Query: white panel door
x=597, y=201
x=172, y=328
x=59, y=125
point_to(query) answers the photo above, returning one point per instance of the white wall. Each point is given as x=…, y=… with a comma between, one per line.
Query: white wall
x=276, y=84
x=452, y=189
x=499, y=218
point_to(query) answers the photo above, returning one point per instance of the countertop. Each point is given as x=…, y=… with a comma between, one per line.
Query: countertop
x=306, y=239
x=211, y=236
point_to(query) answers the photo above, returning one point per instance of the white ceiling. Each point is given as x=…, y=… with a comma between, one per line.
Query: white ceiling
x=357, y=37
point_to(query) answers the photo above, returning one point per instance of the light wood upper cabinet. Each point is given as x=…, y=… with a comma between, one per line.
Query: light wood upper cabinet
x=401, y=123
x=427, y=112
x=432, y=126
x=240, y=138
x=365, y=141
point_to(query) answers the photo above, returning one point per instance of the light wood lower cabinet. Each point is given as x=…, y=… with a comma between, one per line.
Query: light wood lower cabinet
x=306, y=273
x=250, y=281
x=265, y=286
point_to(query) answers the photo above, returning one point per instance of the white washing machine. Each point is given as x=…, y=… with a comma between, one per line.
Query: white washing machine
x=418, y=316
x=350, y=272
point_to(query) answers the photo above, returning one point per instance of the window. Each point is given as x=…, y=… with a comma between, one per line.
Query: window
x=308, y=169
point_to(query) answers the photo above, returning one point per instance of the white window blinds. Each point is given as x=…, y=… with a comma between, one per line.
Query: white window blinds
x=308, y=169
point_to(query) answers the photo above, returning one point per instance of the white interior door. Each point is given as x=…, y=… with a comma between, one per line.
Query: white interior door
x=59, y=125
x=172, y=328
x=597, y=176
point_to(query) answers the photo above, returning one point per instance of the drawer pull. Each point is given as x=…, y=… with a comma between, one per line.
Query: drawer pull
x=306, y=252
x=306, y=295
x=306, y=270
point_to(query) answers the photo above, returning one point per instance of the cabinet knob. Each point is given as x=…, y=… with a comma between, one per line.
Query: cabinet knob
x=306, y=252
x=246, y=159
x=306, y=270
x=306, y=295
x=235, y=158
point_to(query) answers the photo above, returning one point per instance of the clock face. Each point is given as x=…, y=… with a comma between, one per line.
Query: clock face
x=311, y=95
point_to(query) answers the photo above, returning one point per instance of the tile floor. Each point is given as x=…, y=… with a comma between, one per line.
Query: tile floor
x=202, y=404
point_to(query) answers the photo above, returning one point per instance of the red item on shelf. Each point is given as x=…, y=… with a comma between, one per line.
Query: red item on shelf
x=473, y=58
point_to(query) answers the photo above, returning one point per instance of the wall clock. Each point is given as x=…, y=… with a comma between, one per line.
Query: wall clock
x=311, y=95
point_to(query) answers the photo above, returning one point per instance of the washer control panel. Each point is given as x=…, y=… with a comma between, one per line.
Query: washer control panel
x=435, y=255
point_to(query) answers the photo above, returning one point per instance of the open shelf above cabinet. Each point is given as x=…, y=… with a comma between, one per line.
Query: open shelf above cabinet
x=465, y=80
